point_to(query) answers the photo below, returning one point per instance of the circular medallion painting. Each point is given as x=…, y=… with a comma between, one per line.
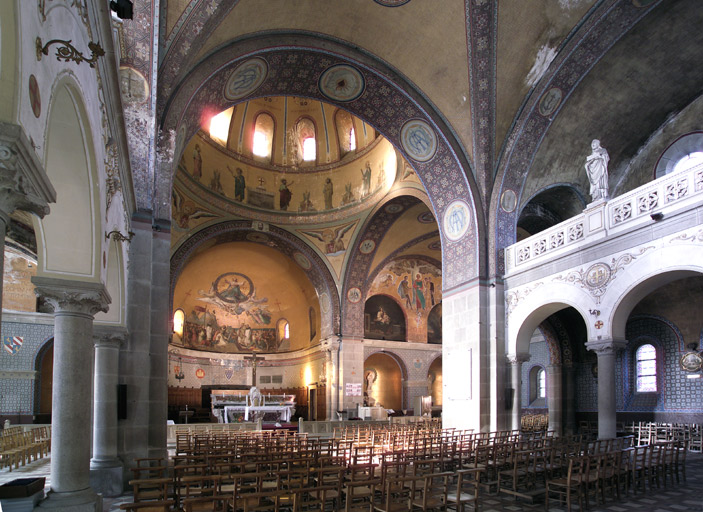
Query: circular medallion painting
x=419, y=140
x=133, y=86
x=354, y=295
x=508, y=201
x=246, y=78
x=325, y=303
x=367, y=246
x=34, y=96
x=425, y=218
x=302, y=260
x=691, y=362
x=341, y=82
x=233, y=287
x=456, y=220
x=393, y=208
x=200, y=373
x=597, y=275
x=435, y=246
x=550, y=101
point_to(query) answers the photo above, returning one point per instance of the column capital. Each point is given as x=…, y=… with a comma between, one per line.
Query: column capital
x=109, y=336
x=68, y=296
x=331, y=345
x=520, y=357
x=602, y=347
x=23, y=183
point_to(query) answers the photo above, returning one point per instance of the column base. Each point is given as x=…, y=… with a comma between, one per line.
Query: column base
x=75, y=501
x=106, y=477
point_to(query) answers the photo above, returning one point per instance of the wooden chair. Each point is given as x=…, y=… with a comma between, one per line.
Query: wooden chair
x=467, y=491
x=397, y=493
x=217, y=503
x=432, y=491
x=565, y=487
x=149, y=506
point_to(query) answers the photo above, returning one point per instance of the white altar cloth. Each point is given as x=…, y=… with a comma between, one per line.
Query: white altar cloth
x=285, y=411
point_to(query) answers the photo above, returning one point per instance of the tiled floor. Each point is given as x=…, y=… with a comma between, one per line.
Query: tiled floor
x=683, y=497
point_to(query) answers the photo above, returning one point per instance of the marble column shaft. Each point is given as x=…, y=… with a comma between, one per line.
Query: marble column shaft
x=606, y=385
x=331, y=348
x=75, y=303
x=107, y=353
x=516, y=378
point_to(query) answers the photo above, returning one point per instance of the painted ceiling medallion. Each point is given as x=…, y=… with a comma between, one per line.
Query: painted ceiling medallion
x=550, y=101
x=367, y=246
x=419, y=140
x=393, y=208
x=354, y=295
x=456, y=220
x=302, y=260
x=508, y=201
x=246, y=78
x=342, y=82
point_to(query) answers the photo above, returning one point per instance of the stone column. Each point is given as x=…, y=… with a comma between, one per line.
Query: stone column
x=23, y=183
x=555, y=402
x=516, y=361
x=75, y=303
x=105, y=466
x=331, y=348
x=605, y=349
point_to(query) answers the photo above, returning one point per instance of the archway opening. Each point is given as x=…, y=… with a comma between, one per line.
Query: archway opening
x=383, y=382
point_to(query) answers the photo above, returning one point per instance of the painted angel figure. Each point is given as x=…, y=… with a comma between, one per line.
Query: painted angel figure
x=332, y=238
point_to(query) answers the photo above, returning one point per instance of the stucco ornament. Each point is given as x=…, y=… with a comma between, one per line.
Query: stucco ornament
x=597, y=171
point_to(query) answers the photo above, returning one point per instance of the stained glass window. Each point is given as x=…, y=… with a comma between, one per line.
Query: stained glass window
x=646, y=369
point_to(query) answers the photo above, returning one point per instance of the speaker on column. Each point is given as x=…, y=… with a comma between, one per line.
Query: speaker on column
x=122, y=401
x=509, y=394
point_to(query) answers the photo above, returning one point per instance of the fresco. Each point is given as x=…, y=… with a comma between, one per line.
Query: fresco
x=186, y=214
x=416, y=284
x=332, y=242
x=384, y=319
x=233, y=296
x=293, y=189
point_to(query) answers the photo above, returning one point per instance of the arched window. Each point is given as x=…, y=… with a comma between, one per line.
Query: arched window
x=683, y=154
x=538, y=384
x=541, y=383
x=219, y=126
x=646, y=369
x=263, y=136
x=345, y=132
x=283, y=330
x=689, y=161
x=307, y=140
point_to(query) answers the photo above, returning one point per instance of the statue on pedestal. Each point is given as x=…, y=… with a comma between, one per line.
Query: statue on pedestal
x=597, y=171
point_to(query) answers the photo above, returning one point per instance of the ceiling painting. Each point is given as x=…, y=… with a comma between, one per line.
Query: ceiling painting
x=411, y=224
x=416, y=285
x=333, y=242
x=235, y=297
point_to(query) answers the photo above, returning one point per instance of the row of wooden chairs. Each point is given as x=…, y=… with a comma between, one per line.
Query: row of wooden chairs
x=19, y=446
x=534, y=422
x=647, y=432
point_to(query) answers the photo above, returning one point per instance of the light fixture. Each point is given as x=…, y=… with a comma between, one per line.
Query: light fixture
x=68, y=52
x=119, y=237
x=656, y=217
x=179, y=371
x=123, y=9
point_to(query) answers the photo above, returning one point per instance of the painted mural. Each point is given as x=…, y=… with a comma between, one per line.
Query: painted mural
x=234, y=295
x=384, y=319
x=416, y=285
x=332, y=241
x=294, y=189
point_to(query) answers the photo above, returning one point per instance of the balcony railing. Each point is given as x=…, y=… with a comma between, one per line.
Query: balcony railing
x=629, y=211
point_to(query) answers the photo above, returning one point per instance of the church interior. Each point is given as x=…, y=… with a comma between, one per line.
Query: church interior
x=479, y=219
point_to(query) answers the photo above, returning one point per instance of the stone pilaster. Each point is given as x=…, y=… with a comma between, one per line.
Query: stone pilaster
x=331, y=347
x=515, y=361
x=75, y=303
x=105, y=466
x=23, y=182
x=606, y=349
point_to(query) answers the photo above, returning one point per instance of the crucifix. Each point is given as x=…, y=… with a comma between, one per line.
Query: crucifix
x=254, y=360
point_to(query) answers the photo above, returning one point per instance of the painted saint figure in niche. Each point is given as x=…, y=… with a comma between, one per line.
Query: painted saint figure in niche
x=366, y=180
x=404, y=292
x=197, y=163
x=429, y=287
x=239, y=184
x=285, y=195
x=306, y=203
x=216, y=183
x=327, y=191
x=418, y=295
x=348, y=196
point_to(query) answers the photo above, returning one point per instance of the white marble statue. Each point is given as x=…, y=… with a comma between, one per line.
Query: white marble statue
x=255, y=396
x=597, y=171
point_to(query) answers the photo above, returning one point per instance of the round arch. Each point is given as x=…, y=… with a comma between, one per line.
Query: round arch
x=306, y=58
x=71, y=165
x=530, y=312
x=397, y=392
x=384, y=318
x=645, y=275
x=286, y=243
x=43, y=388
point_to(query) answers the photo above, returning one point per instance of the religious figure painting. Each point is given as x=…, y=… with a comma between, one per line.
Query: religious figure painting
x=332, y=238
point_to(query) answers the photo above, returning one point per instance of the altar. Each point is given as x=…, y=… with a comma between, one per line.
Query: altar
x=229, y=408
